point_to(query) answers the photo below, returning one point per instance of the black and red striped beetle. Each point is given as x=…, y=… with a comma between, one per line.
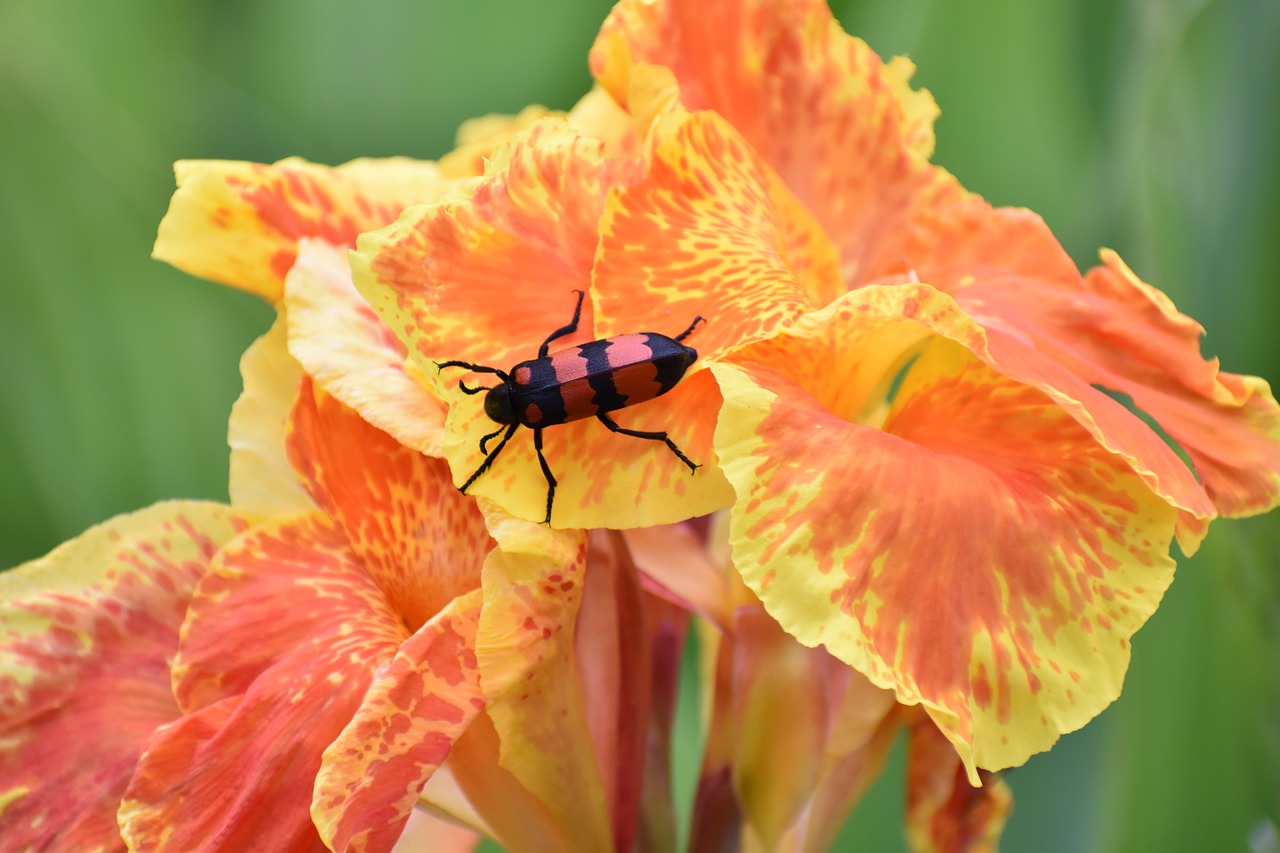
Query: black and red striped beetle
x=579, y=382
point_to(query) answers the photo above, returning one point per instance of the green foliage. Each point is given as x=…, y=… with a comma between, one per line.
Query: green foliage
x=1149, y=126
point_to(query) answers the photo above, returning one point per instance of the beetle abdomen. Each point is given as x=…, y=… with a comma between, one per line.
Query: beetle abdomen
x=599, y=376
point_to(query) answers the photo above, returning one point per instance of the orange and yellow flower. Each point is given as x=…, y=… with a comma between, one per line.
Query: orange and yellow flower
x=932, y=512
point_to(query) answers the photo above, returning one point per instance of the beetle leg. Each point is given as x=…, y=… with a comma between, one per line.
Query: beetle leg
x=696, y=320
x=488, y=460
x=546, y=472
x=564, y=330
x=491, y=436
x=652, y=436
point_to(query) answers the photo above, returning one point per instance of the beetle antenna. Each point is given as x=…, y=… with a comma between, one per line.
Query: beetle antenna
x=689, y=331
x=467, y=389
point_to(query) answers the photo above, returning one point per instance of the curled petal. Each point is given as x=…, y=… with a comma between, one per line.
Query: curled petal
x=414, y=712
x=1114, y=330
x=240, y=223
x=405, y=524
x=525, y=647
x=351, y=353
x=86, y=636
x=845, y=131
x=709, y=230
x=480, y=138
x=262, y=480
x=981, y=554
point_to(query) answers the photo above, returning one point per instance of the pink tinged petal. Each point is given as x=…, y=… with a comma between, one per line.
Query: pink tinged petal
x=944, y=812
x=288, y=591
x=425, y=831
x=281, y=642
x=677, y=567
x=421, y=540
x=86, y=636
x=533, y=586
x=374, y=772
x=709, y=230
x=487, y=273
x=1044, y=552
x=346, y=347
x=240, y=223
x=844, y=130
x=262, y=480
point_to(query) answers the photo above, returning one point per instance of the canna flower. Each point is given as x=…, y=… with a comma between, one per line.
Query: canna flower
x=895, y=392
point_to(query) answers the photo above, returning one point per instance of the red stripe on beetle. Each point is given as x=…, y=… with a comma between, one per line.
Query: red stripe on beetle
x=579, y=399
x=532, y=413
x=637, y=382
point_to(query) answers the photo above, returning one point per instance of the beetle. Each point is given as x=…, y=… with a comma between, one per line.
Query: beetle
x=588, y=380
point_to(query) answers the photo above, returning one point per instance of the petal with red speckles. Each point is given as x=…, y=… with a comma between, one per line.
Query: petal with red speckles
x=239, y=223
x=281, y=641
x=525, y=648
x=486, y=278
x=844, y=130
x=262, y=480
x=944, y=812
x=421, y=540
x=86, y=636
x=415, y=710
x=709, y=230
x=1113, y=330
x=351, y=353
x=971, y=546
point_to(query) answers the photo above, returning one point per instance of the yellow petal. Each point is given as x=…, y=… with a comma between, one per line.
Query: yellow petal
x=262, y=480
x=239, y=223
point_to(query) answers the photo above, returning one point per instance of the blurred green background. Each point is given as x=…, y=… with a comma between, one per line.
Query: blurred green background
x=1150, y=127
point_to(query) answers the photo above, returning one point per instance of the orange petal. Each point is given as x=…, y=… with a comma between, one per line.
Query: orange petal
x=479, y=138
x=283, y=592
x=486, y=274
x=525, y=646
x=708, y=230
x=86, y=636
x=844, y=131
x=982, y=554
x=944, y=812
x=281, y=641
x=415, y=710
x=262, y=480
x=421, y=540
x=351, y=353
x=239, y=223
x=678, y=568
x=1114, y=330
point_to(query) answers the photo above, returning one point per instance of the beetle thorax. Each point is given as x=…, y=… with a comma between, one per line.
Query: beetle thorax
x=498, y=405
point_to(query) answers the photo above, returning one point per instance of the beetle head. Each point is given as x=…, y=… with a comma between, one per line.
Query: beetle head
x=498, y=405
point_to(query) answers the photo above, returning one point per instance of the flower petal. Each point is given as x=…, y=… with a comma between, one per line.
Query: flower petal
x=239, y=223
x=843, y=130
x=372, y=775
x=486, y=274
x=262, y=480
x=1114, y=330
x=944, y=812
x=533, y=586
x=281, y=641
x=708, y=230
x=405, y=524
x=982, y=555
x=351, y=353
x=86, y=636
x=503, y=263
